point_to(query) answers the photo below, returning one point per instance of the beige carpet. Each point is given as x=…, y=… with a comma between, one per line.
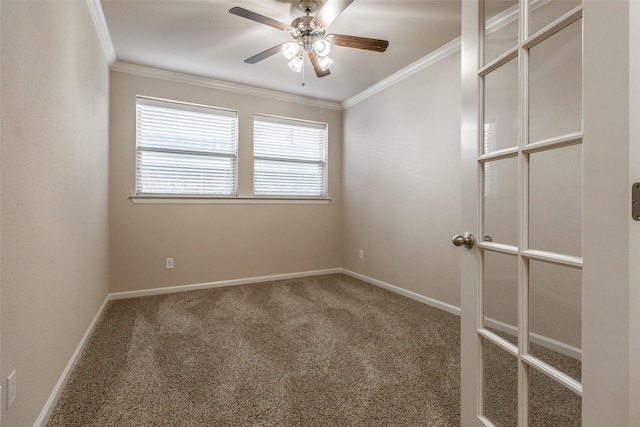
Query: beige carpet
x=327, y=350
x=318, y=351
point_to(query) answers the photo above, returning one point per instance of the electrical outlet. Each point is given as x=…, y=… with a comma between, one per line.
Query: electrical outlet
x=11, y=387
x=169, y=263
x=361, y=254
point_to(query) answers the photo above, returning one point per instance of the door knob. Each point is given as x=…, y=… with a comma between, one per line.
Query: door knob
x=465, y=239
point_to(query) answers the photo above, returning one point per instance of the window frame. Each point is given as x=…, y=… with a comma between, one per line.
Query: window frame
x=323, y=162
x=193, y=107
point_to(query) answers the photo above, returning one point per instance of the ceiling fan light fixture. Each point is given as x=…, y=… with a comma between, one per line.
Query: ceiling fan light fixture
x=296, y=63
x=308, y=32
x=290, y=50
x=324, y=62
x=322, y=47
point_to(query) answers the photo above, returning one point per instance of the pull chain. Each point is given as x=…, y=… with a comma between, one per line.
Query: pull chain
x=303, y=83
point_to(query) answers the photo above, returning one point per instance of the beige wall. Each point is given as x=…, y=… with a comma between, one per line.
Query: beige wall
x=54, y=193
x=402, y=183
x=214, y=242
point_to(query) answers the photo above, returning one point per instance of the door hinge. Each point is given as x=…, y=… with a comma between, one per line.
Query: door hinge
x=635, y=201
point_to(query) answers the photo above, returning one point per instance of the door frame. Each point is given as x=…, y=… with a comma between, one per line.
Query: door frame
x=634, y=232
x=606, y=214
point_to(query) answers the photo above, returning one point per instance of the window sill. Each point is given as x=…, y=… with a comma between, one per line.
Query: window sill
x=194, y=200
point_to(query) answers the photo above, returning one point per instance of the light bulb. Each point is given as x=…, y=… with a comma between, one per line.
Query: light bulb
x=296, y=63
x=289, y=50
x=324, y=62
x=322, y=47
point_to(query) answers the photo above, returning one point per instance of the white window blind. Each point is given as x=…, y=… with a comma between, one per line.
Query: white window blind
x=289, y=157
x=185, y=149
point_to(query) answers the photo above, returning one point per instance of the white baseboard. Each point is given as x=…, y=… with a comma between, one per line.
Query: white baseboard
x=220, y=284
x=551, y=344
x=43, y=418
x=409, y=294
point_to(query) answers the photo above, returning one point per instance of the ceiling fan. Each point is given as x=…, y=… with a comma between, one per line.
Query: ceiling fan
x=309, y=36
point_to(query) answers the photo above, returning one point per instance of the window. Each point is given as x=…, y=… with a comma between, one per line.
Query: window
x=185, y=149
x=289, y=157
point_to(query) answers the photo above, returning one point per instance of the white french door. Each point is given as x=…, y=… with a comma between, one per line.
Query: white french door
x=528, y=299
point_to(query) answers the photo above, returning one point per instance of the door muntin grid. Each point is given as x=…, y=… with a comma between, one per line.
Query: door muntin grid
x=523, y=339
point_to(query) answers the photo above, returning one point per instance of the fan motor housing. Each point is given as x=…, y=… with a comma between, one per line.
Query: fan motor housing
x=302, y=24
x=305, y=33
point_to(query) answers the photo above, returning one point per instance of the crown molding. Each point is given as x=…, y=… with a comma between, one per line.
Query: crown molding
x=102, y=29
x=100, y=24
x=505, y=17
x=157, y=73
x=510, y=15
x=421, y=64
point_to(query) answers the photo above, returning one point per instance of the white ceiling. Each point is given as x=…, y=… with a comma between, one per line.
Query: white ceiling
x=202, y=38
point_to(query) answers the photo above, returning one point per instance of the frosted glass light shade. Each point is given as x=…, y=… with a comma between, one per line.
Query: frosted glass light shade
x=296, y=63
x=324, y=62
x=289, y=50
x=322, y=47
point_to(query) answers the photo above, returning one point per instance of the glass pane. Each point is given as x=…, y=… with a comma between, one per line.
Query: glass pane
x=500, y=28
x=555, y=84
x=501, y=107
x=501, y=201
x=544, y=13
x=501, y=294
x=555, y=316
x=555, y=200
x=551, y=403
x=500, y=385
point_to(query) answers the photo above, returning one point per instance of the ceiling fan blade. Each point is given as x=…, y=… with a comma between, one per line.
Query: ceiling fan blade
x=357, y=42
x=329, y=12
x=244, y=13
x=264, y=55
x=316, y=66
